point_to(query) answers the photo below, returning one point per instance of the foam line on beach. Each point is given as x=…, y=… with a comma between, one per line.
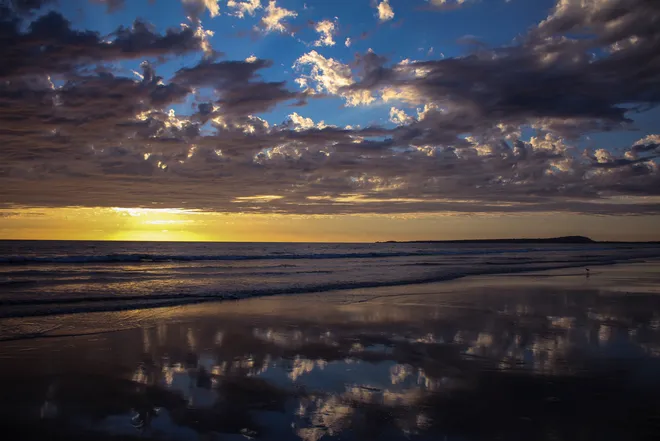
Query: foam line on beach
x=43, y=307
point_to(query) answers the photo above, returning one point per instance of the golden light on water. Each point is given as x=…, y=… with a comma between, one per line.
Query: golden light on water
x=156, y=236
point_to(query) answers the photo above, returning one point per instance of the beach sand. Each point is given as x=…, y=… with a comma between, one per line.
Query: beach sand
x=553, y=355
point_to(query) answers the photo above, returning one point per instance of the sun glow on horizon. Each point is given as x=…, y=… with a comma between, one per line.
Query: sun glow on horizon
x=147, y=211
x=185, y=225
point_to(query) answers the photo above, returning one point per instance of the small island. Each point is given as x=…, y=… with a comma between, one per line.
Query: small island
x=547, y=240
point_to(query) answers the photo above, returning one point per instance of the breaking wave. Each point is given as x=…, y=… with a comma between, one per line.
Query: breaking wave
x=68, y=305
x=150, y=258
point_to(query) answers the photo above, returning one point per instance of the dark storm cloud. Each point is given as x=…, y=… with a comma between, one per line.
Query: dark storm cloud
x=237, y=85
x=69, y=120
x=39, y=121
x=220, y=75
x=51, y=46
x=623, y=162
x=610, y=21
x=643, y=148
x=523, y=83
x=547, y=74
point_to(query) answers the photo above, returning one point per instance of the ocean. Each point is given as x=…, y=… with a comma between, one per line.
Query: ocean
x=108, y=340
x=40, y=278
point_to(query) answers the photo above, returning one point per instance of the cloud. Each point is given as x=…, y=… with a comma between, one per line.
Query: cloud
x=650, y=139
x=348, y=42
x=399, y=117
x=447, y=4
x=313, y=167
x=79, y=121
x=243, y=8
x=237, y=89
x=300, y=123
x=337, y=179
x=327, y=29
x=204, y=43
x=221, y=74
x=577, y=85
x=195, y=8
x=69, y=49
x=650, y=143
x=385, y=11
x=328, y=75
x=274, y=20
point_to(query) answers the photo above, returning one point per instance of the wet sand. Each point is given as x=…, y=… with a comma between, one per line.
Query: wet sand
x=537, y=356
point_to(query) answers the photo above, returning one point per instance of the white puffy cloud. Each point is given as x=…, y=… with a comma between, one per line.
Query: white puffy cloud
x=385, y=11
x=300, y=123
x=328, y=75
x=275, y=16
x=327, y=29
x=549, y=143
x=348, y=42
x=242, y=8
x=399, y=117
x=603, y=156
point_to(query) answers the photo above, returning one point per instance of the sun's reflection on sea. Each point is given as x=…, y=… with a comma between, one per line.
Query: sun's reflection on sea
x=501, y=366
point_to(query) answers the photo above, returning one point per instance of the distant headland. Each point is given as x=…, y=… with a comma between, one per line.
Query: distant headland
x=547, y=240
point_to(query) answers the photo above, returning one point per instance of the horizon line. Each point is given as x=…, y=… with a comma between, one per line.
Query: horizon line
x=573, y=239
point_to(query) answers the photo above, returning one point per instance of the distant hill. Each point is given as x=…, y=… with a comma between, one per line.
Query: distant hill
x=560, y=240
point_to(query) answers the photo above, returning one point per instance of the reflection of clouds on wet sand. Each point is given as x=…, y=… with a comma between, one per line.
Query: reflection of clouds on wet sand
x=400, y=372
x=302, y=366
x=437, y=372
x=324, y=417
x=280, y=338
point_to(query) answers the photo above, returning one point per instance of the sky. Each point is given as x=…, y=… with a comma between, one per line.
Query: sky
x=318, y=120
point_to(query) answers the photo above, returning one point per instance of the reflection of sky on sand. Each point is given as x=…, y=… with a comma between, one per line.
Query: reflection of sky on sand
x=367, y=372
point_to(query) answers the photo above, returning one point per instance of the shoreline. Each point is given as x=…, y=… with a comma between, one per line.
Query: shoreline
x=26, y=309
x=639, y=277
